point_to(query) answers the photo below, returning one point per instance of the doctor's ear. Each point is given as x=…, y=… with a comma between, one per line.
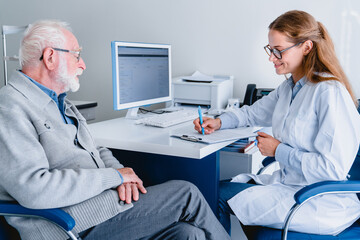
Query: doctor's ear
x=308, y=45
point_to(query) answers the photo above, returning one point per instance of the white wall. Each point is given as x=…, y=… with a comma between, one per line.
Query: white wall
x=213, y=36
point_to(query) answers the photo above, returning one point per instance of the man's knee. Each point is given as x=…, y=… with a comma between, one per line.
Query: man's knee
x=187, y=190
x=184, y=185
x=185, y=231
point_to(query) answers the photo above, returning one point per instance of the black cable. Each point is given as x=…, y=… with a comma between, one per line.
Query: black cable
x=143, y=110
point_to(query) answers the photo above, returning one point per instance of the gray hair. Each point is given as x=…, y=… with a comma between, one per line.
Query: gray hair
x=38, y=36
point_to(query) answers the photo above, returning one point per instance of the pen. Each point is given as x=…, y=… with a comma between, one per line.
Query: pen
x=201, y=120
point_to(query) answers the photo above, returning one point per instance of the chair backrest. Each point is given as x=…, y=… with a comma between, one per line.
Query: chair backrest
x=354, y=173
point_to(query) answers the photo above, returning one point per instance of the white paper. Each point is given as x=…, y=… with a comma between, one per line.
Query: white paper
x=200, y=77
x=219, y=135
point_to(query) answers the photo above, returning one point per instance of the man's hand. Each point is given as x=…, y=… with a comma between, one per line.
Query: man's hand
x=131, y=185
x=267, y=144
x=209, y=125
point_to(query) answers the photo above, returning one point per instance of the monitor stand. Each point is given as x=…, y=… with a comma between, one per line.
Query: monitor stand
x=132, y=113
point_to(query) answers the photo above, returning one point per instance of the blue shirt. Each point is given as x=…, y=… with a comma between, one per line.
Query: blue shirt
x=296, y=87
x=59, y=100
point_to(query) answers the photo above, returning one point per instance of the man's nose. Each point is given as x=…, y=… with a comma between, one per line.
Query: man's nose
x=82, y=64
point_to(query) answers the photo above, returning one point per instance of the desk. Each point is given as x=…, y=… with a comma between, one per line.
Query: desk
x=86, y=108
x=156, y=157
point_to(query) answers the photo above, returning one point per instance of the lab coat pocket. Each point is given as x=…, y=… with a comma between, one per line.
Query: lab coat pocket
x=303, y=121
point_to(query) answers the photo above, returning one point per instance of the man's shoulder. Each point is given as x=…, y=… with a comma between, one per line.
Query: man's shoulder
x=10, y=97
x=14, y=86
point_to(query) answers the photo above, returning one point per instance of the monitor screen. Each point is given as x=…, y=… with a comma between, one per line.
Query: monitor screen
x=141, y=74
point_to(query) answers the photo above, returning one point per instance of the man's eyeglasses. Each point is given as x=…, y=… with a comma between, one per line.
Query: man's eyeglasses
x=65, y=50
x=277, y=53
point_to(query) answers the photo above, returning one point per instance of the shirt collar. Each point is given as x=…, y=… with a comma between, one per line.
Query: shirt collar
x=51, y=93
x=301, y=82
x=296, y=87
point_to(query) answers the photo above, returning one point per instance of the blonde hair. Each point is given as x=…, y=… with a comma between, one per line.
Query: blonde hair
x=299, y=26
x=38, y=36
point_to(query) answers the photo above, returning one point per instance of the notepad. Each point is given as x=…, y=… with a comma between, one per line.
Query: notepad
x=217, y=136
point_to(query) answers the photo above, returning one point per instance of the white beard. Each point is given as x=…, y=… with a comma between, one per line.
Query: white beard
x=68, y=82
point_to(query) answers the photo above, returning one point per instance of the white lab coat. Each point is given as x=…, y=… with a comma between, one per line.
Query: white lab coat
x=319, y=131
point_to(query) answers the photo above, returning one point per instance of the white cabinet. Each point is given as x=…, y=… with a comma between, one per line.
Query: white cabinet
x=233, y=163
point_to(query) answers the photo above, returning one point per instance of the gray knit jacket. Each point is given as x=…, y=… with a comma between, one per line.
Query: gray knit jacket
x=46, y=163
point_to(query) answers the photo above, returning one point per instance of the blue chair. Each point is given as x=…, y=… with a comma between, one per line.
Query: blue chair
x=57, y=216
x=306, y=194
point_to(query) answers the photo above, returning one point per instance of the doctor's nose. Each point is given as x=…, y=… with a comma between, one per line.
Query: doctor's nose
x=272, y=57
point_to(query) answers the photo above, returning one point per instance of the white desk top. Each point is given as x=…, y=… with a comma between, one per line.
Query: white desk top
x=124, y=134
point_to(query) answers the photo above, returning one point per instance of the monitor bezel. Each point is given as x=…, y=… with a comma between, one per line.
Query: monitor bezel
x=115, y=75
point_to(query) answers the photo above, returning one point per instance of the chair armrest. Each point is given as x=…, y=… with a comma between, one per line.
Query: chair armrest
x=55, y=215
x=269, y=166
x=267, y=161
x=325, y=187
x=316, y=189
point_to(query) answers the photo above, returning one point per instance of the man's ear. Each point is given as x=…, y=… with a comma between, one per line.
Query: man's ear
x=49, y=58
x=308, y=45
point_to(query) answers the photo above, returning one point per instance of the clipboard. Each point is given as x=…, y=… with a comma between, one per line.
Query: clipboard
x=217, y=136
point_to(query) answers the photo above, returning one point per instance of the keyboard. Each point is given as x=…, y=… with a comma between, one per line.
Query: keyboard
x=169, y=119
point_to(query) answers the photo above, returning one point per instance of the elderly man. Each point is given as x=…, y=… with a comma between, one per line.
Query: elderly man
x=49, y=159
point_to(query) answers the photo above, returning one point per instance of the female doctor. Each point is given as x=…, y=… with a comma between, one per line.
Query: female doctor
x=316, y=130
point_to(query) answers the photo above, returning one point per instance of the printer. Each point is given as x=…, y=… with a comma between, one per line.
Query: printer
x=200, y=89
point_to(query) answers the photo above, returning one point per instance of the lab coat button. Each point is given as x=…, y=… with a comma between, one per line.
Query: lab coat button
x=121, y=203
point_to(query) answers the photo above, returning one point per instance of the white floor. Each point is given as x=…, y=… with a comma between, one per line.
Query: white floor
x=236, y=231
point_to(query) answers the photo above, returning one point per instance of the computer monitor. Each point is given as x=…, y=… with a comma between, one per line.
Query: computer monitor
x=141, y=75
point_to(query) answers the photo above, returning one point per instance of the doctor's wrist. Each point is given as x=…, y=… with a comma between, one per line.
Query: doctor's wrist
x=218, y=123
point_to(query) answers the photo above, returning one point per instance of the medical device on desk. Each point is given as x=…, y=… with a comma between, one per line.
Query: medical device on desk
x=212, y=91
x=141, y=74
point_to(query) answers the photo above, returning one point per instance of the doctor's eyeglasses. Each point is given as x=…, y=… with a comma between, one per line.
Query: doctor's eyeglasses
x=277, y=53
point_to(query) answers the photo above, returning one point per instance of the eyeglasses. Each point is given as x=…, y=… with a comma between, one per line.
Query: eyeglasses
x=277, y=53
x=65, y=50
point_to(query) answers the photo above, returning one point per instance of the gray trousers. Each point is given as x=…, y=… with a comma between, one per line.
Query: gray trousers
x=172, y=210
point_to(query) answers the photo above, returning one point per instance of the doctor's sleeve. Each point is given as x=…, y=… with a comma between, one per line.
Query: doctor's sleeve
x=258, y=114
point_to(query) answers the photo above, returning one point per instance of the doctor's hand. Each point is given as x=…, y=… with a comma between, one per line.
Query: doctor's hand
x=209, y=124
x=267, y=144
x=129, y=190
